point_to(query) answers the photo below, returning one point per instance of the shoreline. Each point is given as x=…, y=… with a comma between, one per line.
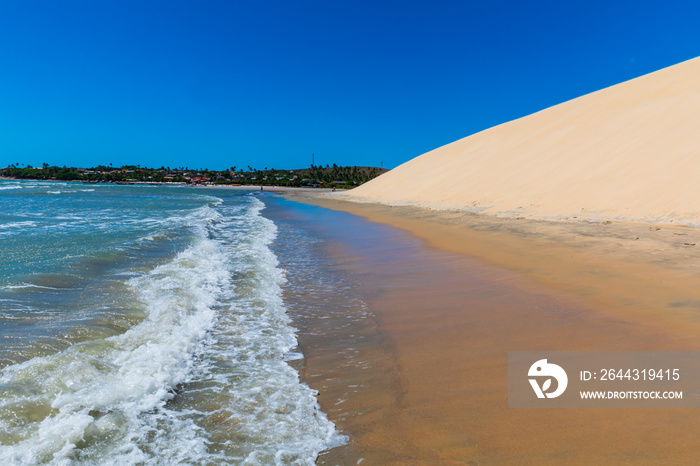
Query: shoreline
x=241, y=187
x=643, y=272
x=448, y=317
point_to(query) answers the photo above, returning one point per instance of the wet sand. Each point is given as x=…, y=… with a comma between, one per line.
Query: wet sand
x=449, y=295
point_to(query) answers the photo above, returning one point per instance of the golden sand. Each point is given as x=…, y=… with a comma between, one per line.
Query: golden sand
x=490, y=286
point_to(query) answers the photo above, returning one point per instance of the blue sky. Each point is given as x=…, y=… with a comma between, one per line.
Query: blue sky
x=212, y=84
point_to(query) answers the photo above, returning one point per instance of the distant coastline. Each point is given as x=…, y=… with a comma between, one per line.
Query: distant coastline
x=312, y=177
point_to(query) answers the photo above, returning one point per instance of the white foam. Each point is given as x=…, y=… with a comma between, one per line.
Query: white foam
x=270, y=404
x=24, y=224
x=31, y=285
x=103, y=388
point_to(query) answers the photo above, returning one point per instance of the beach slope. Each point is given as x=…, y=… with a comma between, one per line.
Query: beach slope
x=630, y=151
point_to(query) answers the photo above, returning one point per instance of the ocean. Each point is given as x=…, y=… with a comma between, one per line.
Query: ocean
x=148, y=325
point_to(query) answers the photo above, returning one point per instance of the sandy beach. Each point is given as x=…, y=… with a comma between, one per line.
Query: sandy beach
x=453, y=293
x=649, y=270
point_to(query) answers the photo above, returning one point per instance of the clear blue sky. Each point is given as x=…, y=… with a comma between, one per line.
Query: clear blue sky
x=267, y=83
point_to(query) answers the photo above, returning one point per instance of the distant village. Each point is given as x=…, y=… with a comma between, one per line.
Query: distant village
x=314, y=176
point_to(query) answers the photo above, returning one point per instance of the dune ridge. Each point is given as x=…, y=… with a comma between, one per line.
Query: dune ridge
x=626, y=152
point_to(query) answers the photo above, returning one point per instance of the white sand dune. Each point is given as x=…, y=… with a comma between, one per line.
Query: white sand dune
x=630, y=151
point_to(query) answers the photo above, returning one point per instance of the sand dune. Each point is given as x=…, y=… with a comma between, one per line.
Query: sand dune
x=630, y=151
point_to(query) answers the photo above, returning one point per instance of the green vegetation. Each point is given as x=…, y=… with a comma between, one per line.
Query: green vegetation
x=315, y=176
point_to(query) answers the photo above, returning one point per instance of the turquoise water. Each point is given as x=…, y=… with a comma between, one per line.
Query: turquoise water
x=146, y=325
